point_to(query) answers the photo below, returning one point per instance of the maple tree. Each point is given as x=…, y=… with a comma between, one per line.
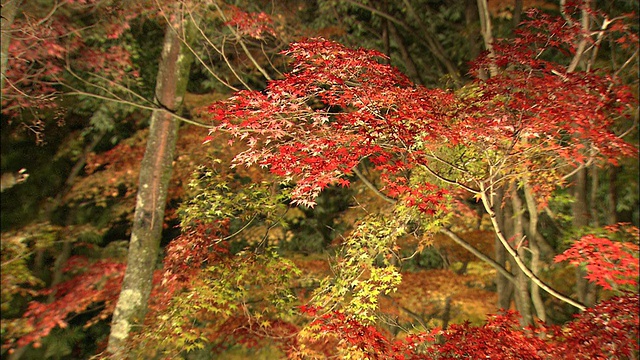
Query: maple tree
x=339, y=106
x=532, y=122
x=157, y=163
x=155, y=173
x=41, y=64
x=112, y=88
x=47, y=45
x=591, y=335
x=608, y=263
x=336, y=112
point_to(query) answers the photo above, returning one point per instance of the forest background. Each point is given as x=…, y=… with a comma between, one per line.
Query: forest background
x=319, y=203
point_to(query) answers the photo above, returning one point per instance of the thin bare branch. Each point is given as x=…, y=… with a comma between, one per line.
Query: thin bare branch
x=373, y=187
x=458, y=240
x=424, y=36
x=449, y=181
x=488, y=206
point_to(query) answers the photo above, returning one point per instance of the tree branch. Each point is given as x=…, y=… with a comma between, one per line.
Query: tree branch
x=373, y=187
x=505, y=243
x=432, y=44
x=458, y=240
x=243, y=45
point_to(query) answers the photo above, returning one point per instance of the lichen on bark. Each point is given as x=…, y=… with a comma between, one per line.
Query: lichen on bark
x=155, y=173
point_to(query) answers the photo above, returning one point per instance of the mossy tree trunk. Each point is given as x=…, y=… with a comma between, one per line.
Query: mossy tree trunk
x=155, y=173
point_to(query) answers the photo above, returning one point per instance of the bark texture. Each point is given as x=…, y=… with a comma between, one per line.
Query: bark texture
x=155, y=173
x=522, y=295
x=9, y=11
x=536, y=262
x=580, y=209
x=487, y=34
x=612, y=198
x=503, y=285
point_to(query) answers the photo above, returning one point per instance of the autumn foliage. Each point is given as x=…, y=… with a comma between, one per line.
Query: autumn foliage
x=533, y=122
x=319, y=122
x=51, y=42
x=609, y=263
x=338, y=107
x=607, y=331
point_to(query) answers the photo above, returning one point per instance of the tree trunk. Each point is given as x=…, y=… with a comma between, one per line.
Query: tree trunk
x=580, y=209
x=155, y=173
x=9, y=11
x=612, y=215
x=546, y=250
x=446, y=313
x=409, y=64
x=385, y=33
x=487, y=34
x=517, y=13
x=523, y=299
x=503, y=285
x=471, y=21
x=582, y=46
x=532, y=209
x=593, y=197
